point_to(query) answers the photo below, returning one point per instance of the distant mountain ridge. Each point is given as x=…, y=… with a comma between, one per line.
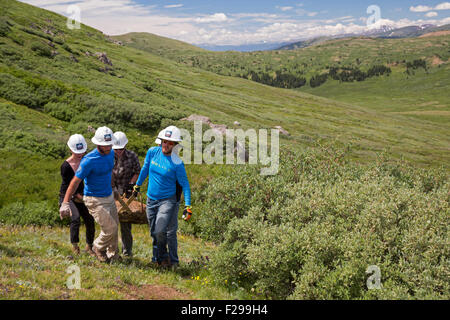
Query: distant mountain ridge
x=385, y=32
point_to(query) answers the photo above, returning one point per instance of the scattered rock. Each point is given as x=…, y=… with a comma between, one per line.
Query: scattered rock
x=91, y=129
x=51, y=44
x=236, y=123
x=106, y=69
x=48, y=31
x=103, y=58
x=221, y=128
x=196, y=117
x=282, y=131
x=72, y=57
x=54, y=53
x=49, y=125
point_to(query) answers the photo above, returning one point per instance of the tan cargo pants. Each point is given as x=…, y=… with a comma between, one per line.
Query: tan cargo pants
x=105, y=214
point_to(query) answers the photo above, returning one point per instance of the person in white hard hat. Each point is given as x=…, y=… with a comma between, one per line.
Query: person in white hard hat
x=96, y=171
x=125, y=173
x=172, y=242
x=163, y=169
x=78, y=146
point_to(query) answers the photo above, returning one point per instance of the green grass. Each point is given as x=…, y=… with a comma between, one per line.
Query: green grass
x=34, y=264
x=396, y=93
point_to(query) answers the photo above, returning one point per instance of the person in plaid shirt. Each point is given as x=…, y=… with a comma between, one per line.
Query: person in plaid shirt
x=125, y=173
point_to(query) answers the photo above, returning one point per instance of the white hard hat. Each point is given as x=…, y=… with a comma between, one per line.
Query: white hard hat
x=121, y=140
x=158, y=140
x=103, y=137
x=77, y=144
x=170, y=133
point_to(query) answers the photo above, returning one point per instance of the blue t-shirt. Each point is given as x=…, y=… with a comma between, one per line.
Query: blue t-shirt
x=96, y=170
x=162, y=174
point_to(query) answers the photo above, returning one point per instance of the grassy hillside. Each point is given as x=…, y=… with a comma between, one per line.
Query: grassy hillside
x=404, y=90
x=158, y=45
x=140, y=91
x=55, y=82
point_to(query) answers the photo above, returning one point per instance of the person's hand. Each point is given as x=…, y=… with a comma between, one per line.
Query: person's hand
x=64, y=210
x=136, y=190
x=187, y=213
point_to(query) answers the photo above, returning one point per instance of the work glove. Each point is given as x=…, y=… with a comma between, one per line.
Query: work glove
x=187, y=213
x=136, y=190
x=64, y=210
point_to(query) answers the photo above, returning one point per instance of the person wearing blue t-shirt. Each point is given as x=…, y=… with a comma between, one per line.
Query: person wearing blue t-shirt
x=163, y=169
x=96, y=171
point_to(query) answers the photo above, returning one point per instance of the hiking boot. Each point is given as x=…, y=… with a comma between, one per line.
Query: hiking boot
x=165, y=263
x=89, y=250
x=75, y=249
x=101, y=255
x=116, y=258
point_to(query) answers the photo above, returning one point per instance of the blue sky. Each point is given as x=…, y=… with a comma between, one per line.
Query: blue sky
x=239, y=22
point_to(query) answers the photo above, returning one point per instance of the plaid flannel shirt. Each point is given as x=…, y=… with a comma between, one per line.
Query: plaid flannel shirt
x=124, y=169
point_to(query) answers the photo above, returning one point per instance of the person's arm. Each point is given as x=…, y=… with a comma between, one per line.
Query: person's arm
x=144, y=171
x=184, y=182
x=64, y=210
x=136, y=168
x=73, y=186
x=134, y=179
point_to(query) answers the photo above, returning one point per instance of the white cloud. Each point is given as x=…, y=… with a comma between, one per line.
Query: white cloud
x=91, y=8
x=173, y=6
x=217, y=17
x=443, y=6
x=285, y=8
x=254, y=15
x=420, y=8
x=122, y=16
x=431, y=14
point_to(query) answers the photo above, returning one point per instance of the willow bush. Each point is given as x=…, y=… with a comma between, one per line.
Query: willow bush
x=312, y=230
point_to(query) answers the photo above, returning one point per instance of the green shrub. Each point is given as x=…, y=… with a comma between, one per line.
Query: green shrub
x=125, y=114
x=32, y=213
x=31, y=92
x=4, y=27
x=24, y=141
x=41, y=49
x=37, y=33
x=16, y=37
x=311, y=231
x=28, y=178
x=16, y=90
x=61, y=111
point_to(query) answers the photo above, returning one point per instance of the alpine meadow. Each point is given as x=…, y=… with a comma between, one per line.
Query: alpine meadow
x=363, y=175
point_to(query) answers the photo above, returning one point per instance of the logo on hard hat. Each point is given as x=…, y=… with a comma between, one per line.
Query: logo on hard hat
x=168, y=134
x=79, y=146
x=108, y=137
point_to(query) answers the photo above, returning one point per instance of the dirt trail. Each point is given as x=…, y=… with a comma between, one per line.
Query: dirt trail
x=155, y=292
